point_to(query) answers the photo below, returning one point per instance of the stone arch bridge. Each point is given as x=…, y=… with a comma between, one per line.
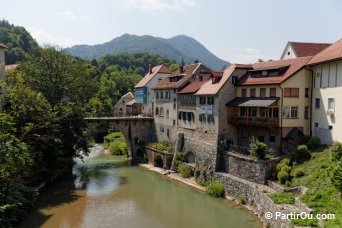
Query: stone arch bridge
x=137, y=131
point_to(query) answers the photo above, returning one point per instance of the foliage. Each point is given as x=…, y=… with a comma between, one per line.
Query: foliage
x=302, y=153
x=185, y=170
x=314, y=143
x=283, y=170
x=299, y=172
x=20, y=44
x=20, y=200
x=336, y=177
x=163, y=146
x=241, y=200
x=215, y=189
x=202, y=182
x=257, y=148
x=180, y=158
x=336, y=151
x=283, y=198
x=116, y=143
x=322, y=196
x=305, y=222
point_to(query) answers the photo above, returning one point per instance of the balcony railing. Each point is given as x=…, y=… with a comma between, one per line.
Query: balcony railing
x=257, y=121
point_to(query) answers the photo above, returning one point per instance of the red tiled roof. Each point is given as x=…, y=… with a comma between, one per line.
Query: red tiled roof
x=10, y=67
x=192, y=87
x=293, y=66
x=332, y=52
x=210, y=88
x=185, y=75
x=2, y=45
x=128, y=95
x=157, y=69
x=308, y=49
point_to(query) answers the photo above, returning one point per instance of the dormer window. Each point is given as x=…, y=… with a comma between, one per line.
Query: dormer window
x=264, y=73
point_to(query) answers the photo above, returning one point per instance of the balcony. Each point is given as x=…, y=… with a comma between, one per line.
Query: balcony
x=255, y=121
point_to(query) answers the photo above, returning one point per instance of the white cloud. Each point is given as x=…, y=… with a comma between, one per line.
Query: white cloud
x=155, y=5
x=249, y=55
x=68, y=13
x=43, y=37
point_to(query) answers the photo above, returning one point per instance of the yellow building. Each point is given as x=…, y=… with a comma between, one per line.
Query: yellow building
x=272, y=103
x=326, y=101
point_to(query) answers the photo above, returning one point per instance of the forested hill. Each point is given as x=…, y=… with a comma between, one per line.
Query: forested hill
x=177, y=48
x=18, y=41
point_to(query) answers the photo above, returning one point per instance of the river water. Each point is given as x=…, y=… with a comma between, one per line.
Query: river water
x=106, y=192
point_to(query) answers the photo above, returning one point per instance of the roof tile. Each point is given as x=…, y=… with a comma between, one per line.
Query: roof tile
x=332, y=52
x=157, y=69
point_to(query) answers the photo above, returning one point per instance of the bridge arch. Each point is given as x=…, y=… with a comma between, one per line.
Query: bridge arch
x=190, y=157
x=158, y=161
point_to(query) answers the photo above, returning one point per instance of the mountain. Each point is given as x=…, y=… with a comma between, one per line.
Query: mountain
x=177, y=48
x=20, y=44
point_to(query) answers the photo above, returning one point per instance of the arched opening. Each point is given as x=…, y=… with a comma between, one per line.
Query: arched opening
x=158, y=162
x=190, y=157
x=142, y=156
x=157, y=111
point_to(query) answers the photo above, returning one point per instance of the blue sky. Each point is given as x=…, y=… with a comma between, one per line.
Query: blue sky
x=238, y=31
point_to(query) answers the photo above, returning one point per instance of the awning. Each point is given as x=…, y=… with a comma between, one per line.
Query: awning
x=252, y=101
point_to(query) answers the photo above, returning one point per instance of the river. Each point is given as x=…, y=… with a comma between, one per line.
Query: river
x=106, y=192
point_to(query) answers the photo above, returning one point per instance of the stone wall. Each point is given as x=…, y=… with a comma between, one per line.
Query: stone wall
x=152, y=153
x=251, y=169
x=258, y=201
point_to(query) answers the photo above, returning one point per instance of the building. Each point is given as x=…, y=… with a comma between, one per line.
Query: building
x=169, y=101
x=121, y=109
x=326, y=94
x=272, y=103
x=143, y=93
x=302, y=49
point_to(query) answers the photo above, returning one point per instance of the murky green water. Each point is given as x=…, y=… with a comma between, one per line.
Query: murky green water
x=108, y=193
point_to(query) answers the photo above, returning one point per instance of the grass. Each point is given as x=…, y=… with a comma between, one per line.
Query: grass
x=321, y=196
x=305, y=222
x=283, y=198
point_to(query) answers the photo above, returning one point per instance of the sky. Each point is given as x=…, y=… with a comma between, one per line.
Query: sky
x=240, y=31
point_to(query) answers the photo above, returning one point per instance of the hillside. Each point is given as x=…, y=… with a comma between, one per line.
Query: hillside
x=177, y=48
x=19, y=42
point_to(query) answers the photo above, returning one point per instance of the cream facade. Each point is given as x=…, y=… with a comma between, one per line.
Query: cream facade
x=327, y=101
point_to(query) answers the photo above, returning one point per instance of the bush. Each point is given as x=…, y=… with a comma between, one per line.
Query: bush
x=257, y=148
x=282, y=163
x=184, y=170
x=163, y=146
x=202, y=182
x=336, y=177
x=283, y=198
x=314, y=143
x=299, y=172
x=118, y=148
x=283, y=176
x=336, y=151
x=215, y=189
x=241, y=199
x=284, y=170
x=302, y=153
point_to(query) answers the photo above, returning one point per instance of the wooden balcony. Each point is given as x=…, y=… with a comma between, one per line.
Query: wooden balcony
x=255, y=121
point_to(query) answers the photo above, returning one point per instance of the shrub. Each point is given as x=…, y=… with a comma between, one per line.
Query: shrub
x=299, y=172
x=163, y=146
x=336, y=177
x=215, y=189
x=184, y=170
x=336, y=151
x=257, y=148
x=118, y=148
x=314, y=143
x=202, y=182
x=283, y=176
x=302, y=153
x=284, y=170
x=241, y=199
x=283, y=198
x=282, y=163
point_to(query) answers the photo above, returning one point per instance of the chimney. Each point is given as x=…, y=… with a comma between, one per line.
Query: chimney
x=196, y=61
x=150, y=68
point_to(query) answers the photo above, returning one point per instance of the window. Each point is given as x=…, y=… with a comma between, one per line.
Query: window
x=210, y=100
x=157, y=111
x=174, y=122
x=180, y=115
x=316, y=124
x=184, y=116
x=261, y=138
x=273, y=92
x=317, y=103
x=202, y=118
x=202, y=100
x=262, y=92
x=168, y=133
x=189, y=116
x=244, y=93
x=174, y=106
x=242, y=111
x=253, y=112
x=290, y=112
x=210, y=119
x=157, y=95
x=161, y=129
x=291, y=92
x=161, y=111
x=263, y=112
x=273, y=112
x=272, y=139
x=167, y=113
x=161, y=95
x=306, y=112
x=331, y=103
x=306, y=92
x=264, y=73
x=252, y=92
x=123, y=101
